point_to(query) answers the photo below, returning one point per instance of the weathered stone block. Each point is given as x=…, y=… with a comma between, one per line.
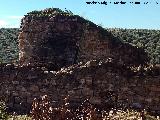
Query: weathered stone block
x=86, y=91
x=155, y=88
x=88, y=81
x=34, y=88
x=15, y=93
x=17, y=100
x=95, y=100
x=15, y=82
x=149, y=100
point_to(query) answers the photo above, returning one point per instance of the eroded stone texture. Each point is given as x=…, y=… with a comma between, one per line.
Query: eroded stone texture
x=59, y=41
x=105, y=83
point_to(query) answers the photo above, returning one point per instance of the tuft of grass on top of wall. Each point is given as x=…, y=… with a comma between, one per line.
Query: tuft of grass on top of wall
x=50, y=12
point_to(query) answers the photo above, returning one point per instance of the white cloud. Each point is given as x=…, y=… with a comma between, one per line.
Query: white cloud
x=13, y=26
x=10, y=21
x=15, y=17
x=9, y=24
x=3, y=23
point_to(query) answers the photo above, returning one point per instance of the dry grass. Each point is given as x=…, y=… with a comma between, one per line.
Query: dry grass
x=42, y=110
x=19, y=117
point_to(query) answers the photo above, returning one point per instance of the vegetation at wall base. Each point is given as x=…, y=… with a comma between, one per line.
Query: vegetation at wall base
x=42, y=110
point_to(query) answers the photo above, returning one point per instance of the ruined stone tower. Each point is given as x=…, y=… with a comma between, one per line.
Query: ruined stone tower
x=57, y=38
x=53, y=39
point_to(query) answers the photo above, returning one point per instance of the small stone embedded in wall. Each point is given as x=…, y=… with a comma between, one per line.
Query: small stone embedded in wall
x=15, y=93
x=88, y=81
x=34, y=88
x=15, y=82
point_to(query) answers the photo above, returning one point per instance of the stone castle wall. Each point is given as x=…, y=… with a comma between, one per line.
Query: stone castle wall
x=103, y=83
x=56, y=58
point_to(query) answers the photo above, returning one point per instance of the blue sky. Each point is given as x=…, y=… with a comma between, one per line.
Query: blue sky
x=146, y=16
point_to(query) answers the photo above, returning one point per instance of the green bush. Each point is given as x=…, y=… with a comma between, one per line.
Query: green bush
x=149, y=40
